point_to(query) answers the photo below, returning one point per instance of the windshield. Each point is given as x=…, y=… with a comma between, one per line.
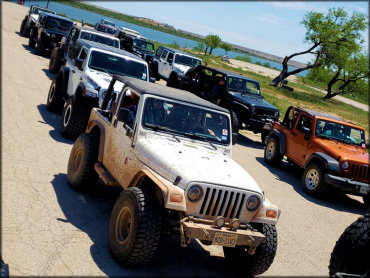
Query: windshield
x=340, y=132
x=186, y=121
x=100, y=39
x=143, y=45
x=109, y=23
x=117, y=65
x=58, y=23
x=243, y=85
x=187, y=60
x=38, y=10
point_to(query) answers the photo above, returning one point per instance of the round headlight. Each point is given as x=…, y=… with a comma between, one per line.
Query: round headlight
x=253, y=203
x=276, y=113
x=194, y=193
x=253, y=109
x=53, y=36
x=234, y=224
x=345, y=165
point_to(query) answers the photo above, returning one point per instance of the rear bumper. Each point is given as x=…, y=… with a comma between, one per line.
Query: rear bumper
x=195, y=228
x=348, y=186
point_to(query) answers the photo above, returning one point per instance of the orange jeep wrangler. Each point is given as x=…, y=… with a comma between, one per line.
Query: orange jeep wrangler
x=331, y=151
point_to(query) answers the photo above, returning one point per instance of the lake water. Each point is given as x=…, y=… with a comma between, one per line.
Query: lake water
x=151, y=34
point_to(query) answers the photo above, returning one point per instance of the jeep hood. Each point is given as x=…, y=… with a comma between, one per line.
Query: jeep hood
x=181, y=68
x=193, y=163
x=101, y=79
x=35, y=17
x=253, y=101
x=345, y=151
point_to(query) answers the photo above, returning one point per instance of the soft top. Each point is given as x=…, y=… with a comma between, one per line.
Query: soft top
x=90, y=44
x=320, y=114
x=58, y=16
x=224, y=72
x=144, y=87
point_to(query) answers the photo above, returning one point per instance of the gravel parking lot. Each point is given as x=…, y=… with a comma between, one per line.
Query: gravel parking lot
x=50, y=230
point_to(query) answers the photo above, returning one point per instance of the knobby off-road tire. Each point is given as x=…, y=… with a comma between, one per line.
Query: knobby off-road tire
x=272, y=153
x=367, y=201
x=74, y=117
x=172, y=82
x=80, y=171
x=263, y=257
x=21, y=29
x=351, y=253
x=135, y=227
x=54, y=101
x=264, y=135
x=55, y=61
x=31, y=41
x=313, y=180
x=40, y=47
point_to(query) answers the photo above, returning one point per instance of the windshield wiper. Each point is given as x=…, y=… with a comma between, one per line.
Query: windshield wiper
x=195, y=136
x=162, y=128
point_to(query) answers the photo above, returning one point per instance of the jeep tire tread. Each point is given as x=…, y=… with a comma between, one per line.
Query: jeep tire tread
x=31, y=41
x=172, y=82
x=135, y=227
x=74, y=117
x=351, y=252
x=262, y=259
x=54, y=101
x=80, y=171
x=55, y=60
x=21, y=29
x=40, y=47
x=272, y=153
x=313, y=180
x=234, y=122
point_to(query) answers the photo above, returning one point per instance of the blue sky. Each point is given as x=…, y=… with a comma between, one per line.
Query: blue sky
x=271, y=27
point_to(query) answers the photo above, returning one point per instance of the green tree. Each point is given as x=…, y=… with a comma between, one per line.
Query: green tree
x=225, y=46
x=212, y=42
x=199, y=47
x=328, y=35
x=346, y=72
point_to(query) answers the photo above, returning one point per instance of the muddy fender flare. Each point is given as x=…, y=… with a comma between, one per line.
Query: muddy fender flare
x=330, y=163
x=64, y=71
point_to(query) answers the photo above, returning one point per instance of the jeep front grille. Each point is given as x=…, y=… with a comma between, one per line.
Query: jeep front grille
x=222, y=203
x=360, y=172
x=265, y=112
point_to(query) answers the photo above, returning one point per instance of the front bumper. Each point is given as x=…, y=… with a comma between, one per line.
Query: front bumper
x=195, y=228
x=348, y=186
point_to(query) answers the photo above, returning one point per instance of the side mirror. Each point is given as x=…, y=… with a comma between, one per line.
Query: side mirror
x=123, y=115
x=152, y=79
x=234, y=138
x=78, y=63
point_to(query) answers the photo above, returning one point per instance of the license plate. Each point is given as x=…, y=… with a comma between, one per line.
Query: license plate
x=225, y=239
x=364, y=189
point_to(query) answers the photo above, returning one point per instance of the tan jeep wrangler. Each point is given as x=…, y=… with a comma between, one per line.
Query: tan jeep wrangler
x=171, y=153
x=331, y=151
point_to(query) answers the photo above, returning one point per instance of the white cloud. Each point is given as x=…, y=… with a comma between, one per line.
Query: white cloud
x=271, y=19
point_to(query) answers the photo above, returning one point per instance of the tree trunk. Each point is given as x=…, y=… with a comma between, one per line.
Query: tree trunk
x=205, y=50
x=284, y=72
x=334, y=80
x=210, y=50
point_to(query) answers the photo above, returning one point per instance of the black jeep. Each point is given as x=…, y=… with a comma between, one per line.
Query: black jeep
x=138, y=46
x=30, y=19
x=239, y=94
x=48, y=32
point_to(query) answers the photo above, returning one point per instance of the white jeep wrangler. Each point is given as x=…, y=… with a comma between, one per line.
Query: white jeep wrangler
x=171, y=153
x=171, y=64
x=88, y=71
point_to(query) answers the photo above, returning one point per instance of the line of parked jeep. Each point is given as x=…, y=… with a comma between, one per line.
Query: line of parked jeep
x=169, y=147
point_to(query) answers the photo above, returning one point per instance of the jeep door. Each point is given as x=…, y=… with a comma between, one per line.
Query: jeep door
x=119, y=156
x=74, y=72
x=162, y=62
x=298, y=141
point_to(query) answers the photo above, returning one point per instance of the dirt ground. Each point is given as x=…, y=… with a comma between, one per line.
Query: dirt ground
x=48, y=229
